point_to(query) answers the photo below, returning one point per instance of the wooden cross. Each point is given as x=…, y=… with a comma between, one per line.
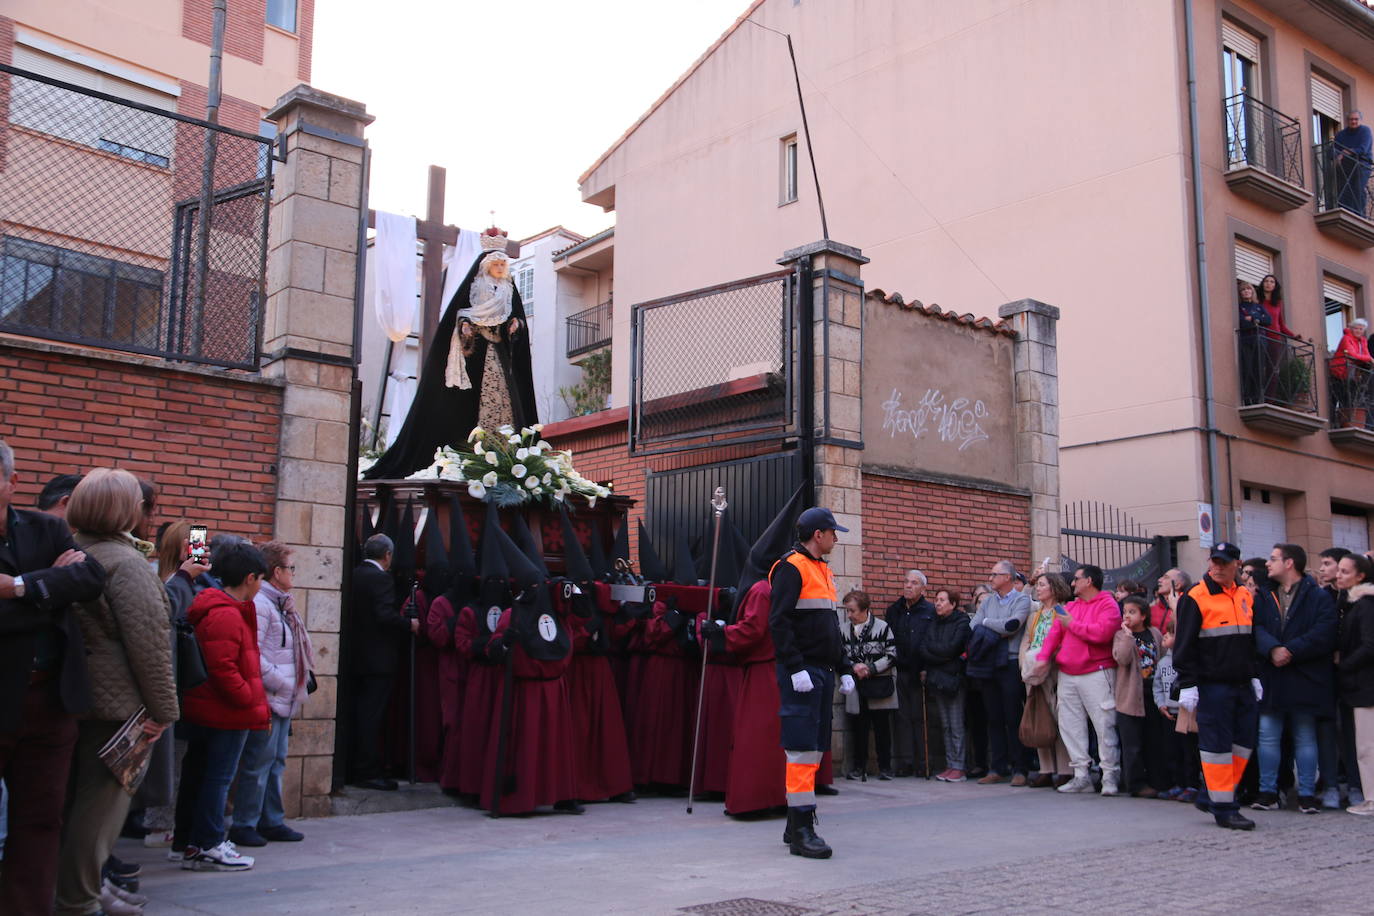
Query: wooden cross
x=434, y=235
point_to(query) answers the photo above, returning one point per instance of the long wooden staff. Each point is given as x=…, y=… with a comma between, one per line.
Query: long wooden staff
x=718, y=504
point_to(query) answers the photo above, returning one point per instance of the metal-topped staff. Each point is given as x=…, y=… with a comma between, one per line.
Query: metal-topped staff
x=718, y=505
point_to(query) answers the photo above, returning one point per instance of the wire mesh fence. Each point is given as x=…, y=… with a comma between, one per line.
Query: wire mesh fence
x=102, y=239
x=715, y=362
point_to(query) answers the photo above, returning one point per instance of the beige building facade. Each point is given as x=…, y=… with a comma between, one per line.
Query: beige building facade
x=983, y=152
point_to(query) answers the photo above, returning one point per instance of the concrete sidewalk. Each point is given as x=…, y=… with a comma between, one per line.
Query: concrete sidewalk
x=902, y=846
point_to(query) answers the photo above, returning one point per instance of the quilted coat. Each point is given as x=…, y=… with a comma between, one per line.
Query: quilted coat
x=233, y=698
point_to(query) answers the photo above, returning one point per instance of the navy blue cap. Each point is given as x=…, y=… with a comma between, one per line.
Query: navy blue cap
x=1224, y=550
x=818, y=519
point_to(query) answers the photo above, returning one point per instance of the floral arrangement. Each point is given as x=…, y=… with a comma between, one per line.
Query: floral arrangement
x=510, y=468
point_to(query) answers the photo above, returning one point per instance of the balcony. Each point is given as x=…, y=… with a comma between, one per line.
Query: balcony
x=1352, y=397
x=1345, y=195
x=1278, y=389
x=1263, y=154
x=590, y=329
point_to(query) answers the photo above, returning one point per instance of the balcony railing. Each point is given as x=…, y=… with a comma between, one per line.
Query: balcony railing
x=1352, y=393
x=1277, y=370
x=589, y=329
x=1264, y=138
x=1345, y=194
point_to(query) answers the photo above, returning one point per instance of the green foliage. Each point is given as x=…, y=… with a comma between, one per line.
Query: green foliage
x=590, y=394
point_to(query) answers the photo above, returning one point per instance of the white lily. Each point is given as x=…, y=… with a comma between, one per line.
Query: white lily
x=532, y=482
x=518, y=471
x=476, y=490
x=491, y=458
x=521, y=454
x=489, y=479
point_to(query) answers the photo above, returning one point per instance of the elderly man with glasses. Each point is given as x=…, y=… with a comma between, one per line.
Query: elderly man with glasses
x=1004, y=612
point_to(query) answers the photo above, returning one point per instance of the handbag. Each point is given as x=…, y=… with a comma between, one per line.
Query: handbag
x=876, y=688
x=191, y=671
x=1038, y=725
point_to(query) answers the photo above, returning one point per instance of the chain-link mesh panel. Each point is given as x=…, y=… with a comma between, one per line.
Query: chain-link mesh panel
x=713, y=363
x=101, y=229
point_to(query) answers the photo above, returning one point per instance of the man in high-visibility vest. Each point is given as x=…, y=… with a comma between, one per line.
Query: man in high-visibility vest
x=1214, y=655
x=806, y=639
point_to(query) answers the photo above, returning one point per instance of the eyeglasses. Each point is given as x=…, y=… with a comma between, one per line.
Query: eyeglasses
x=289, y=569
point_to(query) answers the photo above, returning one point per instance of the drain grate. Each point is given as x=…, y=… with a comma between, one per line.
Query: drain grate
x=746, y=906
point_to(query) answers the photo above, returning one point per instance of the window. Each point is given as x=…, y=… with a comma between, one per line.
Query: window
x=1263, y=522
x=265, y=129
x=787, y=186
x=1240, y=81
x=524, y=284
x=1253, y=263
x=1349, y=528
x=282, y=14
x=73, y=295
x=127, y=132
x=1328, y=108
x=1339, y=302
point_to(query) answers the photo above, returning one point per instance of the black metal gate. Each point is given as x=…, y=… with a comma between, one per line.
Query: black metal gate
x=679, y=502
x=1102, y=535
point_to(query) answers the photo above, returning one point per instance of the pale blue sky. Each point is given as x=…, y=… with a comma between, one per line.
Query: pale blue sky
x=515, y=99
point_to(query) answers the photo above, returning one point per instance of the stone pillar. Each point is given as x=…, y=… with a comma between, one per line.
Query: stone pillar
x=1036, y=368
x=308, y=323
x=837, y=396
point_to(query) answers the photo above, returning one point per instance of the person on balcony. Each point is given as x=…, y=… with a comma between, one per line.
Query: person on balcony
x=1254, y=325
x=1350, y=375
x=1352, y=154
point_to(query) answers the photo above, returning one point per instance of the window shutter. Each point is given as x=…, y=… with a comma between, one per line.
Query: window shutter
x=1326, y=99
x=1262, y=525
x=1240, y=41
x=1252, y=262
x=1350, y=531
x=1336, y=291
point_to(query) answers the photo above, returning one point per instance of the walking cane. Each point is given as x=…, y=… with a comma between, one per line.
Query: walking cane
x=718, y=503
x=498, y=781
x=410, y=717
x=925, y=731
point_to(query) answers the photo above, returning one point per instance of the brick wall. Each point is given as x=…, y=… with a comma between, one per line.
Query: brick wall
x=243, y=26
x=6, y=57
x=305, y=30
x=952, y=533
x=208, y=440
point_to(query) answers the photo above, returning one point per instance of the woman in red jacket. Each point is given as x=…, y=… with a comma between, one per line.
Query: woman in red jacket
x=220, y=713
x=1350, y=383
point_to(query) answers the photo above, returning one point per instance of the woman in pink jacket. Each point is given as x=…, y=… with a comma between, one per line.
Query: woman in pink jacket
x=1080, y=643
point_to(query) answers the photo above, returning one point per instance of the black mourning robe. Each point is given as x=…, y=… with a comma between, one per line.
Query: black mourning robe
x=441, y=415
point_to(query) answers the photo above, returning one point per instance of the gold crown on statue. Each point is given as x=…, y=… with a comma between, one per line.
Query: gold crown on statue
x=494, y=240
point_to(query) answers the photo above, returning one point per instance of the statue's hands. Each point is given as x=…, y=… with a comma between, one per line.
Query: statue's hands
x=467, y=330
x=514, y=325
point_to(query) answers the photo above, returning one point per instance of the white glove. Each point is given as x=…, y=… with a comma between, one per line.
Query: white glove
x=846, y=684
x=801, y=682
x=1187, y=698
x=1258, y=687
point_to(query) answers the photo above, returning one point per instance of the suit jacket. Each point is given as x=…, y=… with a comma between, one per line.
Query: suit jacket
x=377, y=628
x=35, y=541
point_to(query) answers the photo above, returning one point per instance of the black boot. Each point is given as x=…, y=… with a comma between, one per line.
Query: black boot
x=1234, y=820
x=805, y=843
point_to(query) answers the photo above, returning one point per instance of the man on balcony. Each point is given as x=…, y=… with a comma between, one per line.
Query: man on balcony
x=1352, y=153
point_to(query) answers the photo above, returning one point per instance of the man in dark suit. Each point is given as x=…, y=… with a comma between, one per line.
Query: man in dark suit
x=377, y=631
x=42, y=687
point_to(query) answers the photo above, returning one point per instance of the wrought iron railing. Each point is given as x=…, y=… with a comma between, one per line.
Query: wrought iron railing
x=1261, y=137
x=1352, y=392
x=100, y=225
x=1277, y=370
x=590, y=328
x=1345, y=180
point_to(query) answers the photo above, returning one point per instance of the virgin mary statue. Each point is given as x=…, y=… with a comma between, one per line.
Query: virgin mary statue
x=476, y=373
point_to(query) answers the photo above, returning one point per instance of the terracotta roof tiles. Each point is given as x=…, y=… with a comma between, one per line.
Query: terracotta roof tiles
x=995, y=326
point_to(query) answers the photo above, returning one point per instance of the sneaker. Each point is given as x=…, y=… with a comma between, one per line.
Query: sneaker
x=1331, y=798
x=158, y=839
x=955, y=776
x=223, y=857
x=1110, y=788
x=1187, y=796
x=246, y=836
x=1075, y=785
x=884, y=775
x=121, y=868
x=113, y=906
x=284, y=834
x=1170, y=794
x=1308, y=804
x=1266, y=801
x=176, y=855
x=129, y=897
x=1356, y=798
x=1364, y=808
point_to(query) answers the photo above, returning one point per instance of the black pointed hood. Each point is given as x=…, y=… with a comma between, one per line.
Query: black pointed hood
x=460, y=554
x=650, y=566
x=522, y=567
x=403, y=560
x=601, y=567
x=524, y=539
x=775, y=541
x=495, y=573
x=438, y=572
x=684, y=567
x=728, y=565
x=574, y=560
x=620, y=549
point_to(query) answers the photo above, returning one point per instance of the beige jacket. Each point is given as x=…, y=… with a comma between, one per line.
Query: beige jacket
x=128, y=633
x=1130, y=686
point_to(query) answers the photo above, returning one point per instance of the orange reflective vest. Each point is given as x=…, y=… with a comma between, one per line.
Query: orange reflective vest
x=818, y=582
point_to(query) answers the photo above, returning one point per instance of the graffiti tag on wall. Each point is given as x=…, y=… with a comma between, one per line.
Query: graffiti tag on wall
x=957, y=420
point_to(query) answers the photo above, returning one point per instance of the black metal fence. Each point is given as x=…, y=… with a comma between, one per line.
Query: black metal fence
x=1352, y=393
x=1345, y=180
x=715, y=363
x=1262, y=137
x=589, y=329
x=1277, y=370
x=1102, y=535
x=101, y=230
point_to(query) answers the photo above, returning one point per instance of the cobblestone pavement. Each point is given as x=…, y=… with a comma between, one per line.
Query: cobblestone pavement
x=907, y=846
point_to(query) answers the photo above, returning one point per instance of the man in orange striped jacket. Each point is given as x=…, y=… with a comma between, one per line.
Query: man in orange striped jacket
x=1214, y=655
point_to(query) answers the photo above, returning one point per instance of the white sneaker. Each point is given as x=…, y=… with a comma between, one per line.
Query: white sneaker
x=1109, y=788
x=158, y=839
x=1356, y=798
x=129, y=897
x=1077, y=784
x=1365, y=808
x=175, y=856
x=223, y=857
x=114, y=906
x=1331, y=798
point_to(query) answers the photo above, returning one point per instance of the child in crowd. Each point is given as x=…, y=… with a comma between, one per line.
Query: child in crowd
x=1136, y=649
x=1180, y=762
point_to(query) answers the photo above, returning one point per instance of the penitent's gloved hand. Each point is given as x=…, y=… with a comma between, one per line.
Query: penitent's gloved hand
x=1258, y=688
x=846, y=684
x=1187, y=698
x=801, y=682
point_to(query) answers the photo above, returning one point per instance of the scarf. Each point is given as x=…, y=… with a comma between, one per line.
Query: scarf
x=300, y=639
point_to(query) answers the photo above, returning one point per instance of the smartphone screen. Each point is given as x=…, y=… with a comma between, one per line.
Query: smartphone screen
x=197, y=545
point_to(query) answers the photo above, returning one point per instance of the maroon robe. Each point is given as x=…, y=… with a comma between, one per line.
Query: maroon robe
x=661, y=742
x=478, y=704
x=539, y=749
x=441, y=625
x=758, y=764
x=724, y=678
x=428, y=720
x=601, y=748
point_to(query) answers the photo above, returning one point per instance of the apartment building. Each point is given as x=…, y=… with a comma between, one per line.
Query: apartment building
x=983, y=152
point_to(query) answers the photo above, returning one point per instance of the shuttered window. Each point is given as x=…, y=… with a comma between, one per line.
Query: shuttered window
x=1327, y=98
x=1350, y=531
x=1242, y=42
x=1252, y=262
x=1338, y=291
x=1339, y=306
x=1263, y=522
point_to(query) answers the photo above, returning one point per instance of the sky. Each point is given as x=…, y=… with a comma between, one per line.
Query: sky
x=514, y=99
